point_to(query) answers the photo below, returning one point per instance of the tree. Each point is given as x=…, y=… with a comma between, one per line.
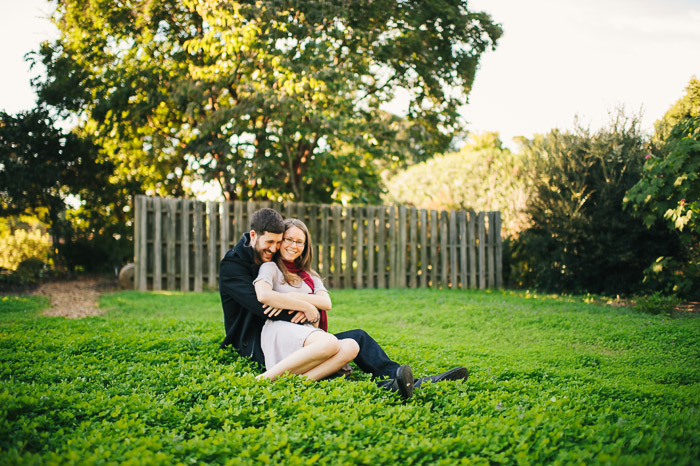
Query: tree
x=481, y=176
x=686, y=106
x=581, y=239
x=271, y=99
x=669, y=192
x=40, y=167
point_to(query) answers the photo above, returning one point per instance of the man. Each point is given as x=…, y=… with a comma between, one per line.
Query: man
x=244, y=316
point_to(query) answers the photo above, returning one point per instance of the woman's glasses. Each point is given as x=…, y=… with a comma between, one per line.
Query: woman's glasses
x=290, y=241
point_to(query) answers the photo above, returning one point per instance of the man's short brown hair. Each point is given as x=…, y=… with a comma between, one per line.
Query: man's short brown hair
x=266, y=220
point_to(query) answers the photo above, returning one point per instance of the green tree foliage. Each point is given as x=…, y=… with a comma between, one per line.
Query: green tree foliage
x=669, y=192
x=481, y=176
x=41, y=167
x=581, y=239
x=686, y=106
x=271, y=99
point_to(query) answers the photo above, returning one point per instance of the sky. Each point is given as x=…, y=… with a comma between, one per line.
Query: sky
x=557, y=59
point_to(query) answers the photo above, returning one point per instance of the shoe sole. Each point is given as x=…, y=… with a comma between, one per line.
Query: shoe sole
x=404, y=379
x=458, y=373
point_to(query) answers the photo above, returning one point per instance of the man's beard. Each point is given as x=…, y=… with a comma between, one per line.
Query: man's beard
x=258, y=256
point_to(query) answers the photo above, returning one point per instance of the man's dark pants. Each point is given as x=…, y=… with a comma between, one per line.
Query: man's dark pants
x=371, y=358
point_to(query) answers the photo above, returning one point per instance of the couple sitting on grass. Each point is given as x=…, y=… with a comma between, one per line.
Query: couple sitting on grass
x=275, y=311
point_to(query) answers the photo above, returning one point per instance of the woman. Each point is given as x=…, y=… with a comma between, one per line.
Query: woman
x=289, y=283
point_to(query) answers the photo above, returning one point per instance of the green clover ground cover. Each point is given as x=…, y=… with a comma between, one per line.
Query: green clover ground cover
x=553, y=381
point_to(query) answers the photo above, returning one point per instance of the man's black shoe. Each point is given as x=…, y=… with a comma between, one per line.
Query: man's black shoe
x=458, y=373
x=403, y=383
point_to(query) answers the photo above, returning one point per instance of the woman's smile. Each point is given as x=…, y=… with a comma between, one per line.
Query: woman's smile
x=293, y=244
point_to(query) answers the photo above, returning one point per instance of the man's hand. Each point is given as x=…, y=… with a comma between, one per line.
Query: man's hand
x=271, y=311
x=310, y=314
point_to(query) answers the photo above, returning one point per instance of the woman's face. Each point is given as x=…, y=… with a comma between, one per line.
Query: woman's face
x=293, y=244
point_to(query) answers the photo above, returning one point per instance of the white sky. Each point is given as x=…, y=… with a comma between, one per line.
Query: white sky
x=557, y=59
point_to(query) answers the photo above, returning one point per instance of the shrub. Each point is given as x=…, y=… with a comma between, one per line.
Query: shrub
x=21, y=245
x=581, y=239
x=669, y=193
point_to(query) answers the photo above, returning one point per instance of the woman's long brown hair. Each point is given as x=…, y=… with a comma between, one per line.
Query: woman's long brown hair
x=304, y=260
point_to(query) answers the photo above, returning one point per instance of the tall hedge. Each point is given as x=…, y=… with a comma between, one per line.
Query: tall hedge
x=580, y=238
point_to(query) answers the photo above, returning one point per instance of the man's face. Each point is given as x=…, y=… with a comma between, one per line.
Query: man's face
x=265, y=245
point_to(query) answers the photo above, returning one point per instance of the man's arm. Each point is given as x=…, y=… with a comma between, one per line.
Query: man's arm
x=236, y=282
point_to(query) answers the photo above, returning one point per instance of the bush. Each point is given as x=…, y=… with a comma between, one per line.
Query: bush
x=581, y=240
x=669, y=193
x=28, y=274
x=21, y=245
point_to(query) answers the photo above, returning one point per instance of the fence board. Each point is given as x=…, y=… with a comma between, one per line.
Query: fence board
x=499, y=251
x=348, y=249
x=325, y=265
x=472, y=239
x=381, y=248
x=392, y=246
x=157, y=245
x=401, y=248
x=212, y=211
x=371, y=228
x=462, y=226
x=481, y=232
x=444, y=264
x=171, y=244
x=337, y=237
x=413, y=238
x=177, y=240
x=423, y=248
x=452, y=253
x=359, y=248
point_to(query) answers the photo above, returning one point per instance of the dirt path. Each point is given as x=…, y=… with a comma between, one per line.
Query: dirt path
x=74, y=298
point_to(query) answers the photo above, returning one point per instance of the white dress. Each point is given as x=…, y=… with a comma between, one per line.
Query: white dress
x=279, y=339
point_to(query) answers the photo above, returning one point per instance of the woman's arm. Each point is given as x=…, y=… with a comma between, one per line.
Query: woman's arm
x=275, y=299
x=321, y=300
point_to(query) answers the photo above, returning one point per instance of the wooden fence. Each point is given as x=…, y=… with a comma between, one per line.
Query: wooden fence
x=180, y=242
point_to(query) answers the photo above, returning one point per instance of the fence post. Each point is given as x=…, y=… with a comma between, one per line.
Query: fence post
x=337, y=263
x=453, y=249
x=157, y=245
x=371, y=227
x=360, y=249
x=143, y=253
x=423, y=248
x=171, y=243
x=401, y=249
x=472, y=249
x=381, y=248
x=444, y=264
x=413, y=237
x=185, y=247
x=326, y=249
x=434, y=220
x=347, y=275
x=499, y=251
x=482, y=250
x=462, y=227
x=491, y=251
x=212, y=211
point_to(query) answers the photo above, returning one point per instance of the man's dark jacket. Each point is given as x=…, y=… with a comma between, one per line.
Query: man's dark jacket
x=243, y=313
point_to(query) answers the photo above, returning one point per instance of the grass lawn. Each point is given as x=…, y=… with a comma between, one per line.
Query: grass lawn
x=554, y=380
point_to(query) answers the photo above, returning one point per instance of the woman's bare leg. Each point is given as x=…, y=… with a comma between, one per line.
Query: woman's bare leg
x=347, y=352
x=318, y=347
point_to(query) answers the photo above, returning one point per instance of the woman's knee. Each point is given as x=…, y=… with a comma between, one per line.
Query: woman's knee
x=325, y=344
x=349, y=349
